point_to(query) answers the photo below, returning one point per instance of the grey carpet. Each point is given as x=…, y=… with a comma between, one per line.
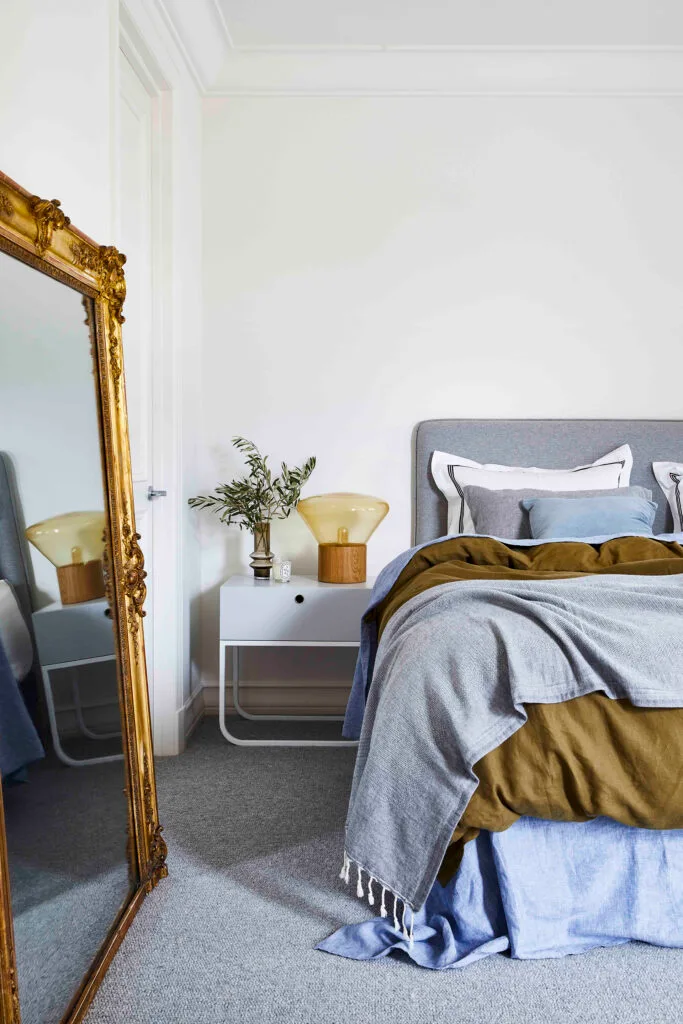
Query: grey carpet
x=255, y=837
x=66, y=839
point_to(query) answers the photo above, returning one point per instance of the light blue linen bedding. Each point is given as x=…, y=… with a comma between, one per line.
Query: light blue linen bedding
x=540, y=889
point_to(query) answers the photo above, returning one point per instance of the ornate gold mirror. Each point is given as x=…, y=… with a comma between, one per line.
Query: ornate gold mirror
x=80, y=842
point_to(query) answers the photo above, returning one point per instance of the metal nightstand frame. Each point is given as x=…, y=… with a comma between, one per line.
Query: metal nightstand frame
x=235, y=646
x=65, y=758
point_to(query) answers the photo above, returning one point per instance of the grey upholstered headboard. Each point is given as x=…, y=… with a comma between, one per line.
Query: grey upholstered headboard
x=551, y=444
x=15, y=565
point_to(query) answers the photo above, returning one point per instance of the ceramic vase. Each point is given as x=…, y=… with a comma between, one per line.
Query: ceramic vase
x=262, y=557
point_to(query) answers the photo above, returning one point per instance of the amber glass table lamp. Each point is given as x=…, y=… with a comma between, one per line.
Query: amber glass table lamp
x=74, y=543
x=342, y=524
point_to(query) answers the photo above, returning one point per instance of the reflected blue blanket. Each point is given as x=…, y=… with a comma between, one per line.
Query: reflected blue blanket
x=540, y=889
x=19, y=741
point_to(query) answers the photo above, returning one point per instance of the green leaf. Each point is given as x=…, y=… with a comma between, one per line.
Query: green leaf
x=259, y=496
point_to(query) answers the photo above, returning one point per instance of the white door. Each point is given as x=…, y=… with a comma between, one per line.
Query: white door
x=135, y=239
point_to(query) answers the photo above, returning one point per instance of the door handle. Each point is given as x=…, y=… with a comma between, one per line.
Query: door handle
x=152, y=493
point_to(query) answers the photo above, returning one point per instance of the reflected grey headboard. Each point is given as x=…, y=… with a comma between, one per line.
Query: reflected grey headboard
x=551, y=444
x=15, y=564
x=15, y=567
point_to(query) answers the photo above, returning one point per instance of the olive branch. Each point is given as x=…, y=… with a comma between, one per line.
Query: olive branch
x=258, y=497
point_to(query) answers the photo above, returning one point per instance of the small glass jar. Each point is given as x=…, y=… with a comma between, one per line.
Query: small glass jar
x=282, y=570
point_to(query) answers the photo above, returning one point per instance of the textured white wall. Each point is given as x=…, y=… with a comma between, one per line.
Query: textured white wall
x=371, y=262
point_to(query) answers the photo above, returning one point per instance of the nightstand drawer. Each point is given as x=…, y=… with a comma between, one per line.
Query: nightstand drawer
x=302, y=611
x=73, y=632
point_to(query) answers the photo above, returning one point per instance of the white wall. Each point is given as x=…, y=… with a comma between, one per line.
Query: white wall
x=371, y=262
x=55, y=84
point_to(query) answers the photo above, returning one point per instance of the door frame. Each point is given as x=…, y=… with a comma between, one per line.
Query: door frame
x=141, y=39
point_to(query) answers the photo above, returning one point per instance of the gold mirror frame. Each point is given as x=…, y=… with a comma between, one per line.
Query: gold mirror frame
x=37, y=232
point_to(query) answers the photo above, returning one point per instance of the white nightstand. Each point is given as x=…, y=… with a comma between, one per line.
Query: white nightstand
x=301, y=613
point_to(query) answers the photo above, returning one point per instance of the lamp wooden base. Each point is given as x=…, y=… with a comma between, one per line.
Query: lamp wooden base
x=82, y=581
x=342, y=563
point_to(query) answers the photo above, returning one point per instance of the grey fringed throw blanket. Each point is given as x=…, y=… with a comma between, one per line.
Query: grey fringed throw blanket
x=453, y=670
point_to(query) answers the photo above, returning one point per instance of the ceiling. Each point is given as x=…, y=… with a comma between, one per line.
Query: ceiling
x=305, y=24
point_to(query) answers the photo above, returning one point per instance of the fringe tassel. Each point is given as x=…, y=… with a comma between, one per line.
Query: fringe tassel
x=399, y=925
x=403, y=923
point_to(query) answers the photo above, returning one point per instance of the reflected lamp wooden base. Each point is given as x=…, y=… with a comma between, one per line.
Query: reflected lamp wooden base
x=81, y=581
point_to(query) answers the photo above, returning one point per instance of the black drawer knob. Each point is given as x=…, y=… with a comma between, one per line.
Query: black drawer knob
x=299, y=598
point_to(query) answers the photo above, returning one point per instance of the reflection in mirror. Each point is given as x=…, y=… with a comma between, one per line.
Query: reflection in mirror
x=61, y=753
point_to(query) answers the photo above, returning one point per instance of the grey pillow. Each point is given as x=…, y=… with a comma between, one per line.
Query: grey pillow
x=500, y=513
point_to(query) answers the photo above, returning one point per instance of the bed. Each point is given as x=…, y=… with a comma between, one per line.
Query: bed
x=517, y=780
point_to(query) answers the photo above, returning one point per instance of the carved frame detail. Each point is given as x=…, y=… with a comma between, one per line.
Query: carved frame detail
x=38, y=232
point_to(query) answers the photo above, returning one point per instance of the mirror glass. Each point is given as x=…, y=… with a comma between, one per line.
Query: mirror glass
x=61, y=759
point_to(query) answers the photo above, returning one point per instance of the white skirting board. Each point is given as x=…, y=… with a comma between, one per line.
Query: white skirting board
x=189, y=717
x=290, y=697
x=275, y=698
x=264, y=696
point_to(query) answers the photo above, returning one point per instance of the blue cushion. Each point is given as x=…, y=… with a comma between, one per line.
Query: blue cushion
x=589, y=517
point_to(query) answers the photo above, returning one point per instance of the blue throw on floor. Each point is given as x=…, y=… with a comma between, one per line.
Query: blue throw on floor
x=19, y=741
x=540, y=889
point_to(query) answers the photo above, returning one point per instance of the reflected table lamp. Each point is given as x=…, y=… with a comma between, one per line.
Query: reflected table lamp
x=342, y=524
x=74, y=543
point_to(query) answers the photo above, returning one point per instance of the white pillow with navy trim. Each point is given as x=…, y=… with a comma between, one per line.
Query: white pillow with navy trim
x=452, y=473
x=669, y=476
x=14, y=634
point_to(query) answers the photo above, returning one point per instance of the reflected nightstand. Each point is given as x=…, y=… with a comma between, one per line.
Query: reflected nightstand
x=69, y=636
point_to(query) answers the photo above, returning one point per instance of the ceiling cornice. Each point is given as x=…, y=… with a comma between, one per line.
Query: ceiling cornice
x=222, y=69
x=224, y=25
x=201, y=35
